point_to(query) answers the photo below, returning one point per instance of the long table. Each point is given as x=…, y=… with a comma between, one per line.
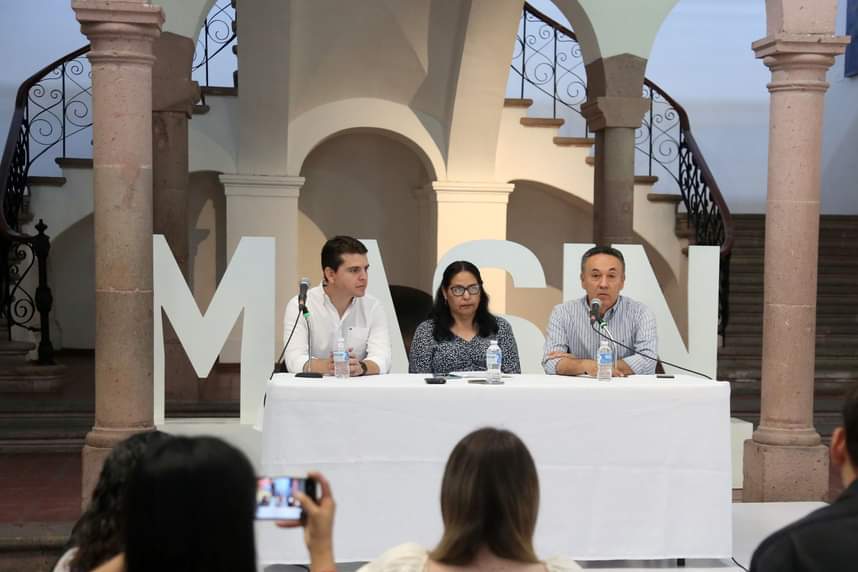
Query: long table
x=634, y=468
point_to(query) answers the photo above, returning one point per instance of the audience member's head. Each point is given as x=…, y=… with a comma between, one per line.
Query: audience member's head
x=97, y=534
x=191, y=506
x=489, y=497
x=844, y=441
x=462, y=295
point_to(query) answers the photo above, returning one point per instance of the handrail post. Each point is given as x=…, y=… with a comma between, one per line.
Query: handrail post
x=63, y=92
x=554, y=73
x=44, y=298
x=649, y=127
x=206, y=49
x=523, y=49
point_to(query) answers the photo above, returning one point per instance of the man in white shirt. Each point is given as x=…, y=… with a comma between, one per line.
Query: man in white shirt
x=339, y=306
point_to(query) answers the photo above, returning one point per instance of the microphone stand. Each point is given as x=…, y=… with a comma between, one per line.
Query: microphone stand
x=603, y=325
x=280, y=365
x=309, y=374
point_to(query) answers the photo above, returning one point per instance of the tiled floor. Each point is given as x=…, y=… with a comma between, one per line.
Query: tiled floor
x=39, y=488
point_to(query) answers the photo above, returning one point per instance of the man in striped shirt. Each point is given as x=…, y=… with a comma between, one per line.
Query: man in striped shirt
x=571, y=343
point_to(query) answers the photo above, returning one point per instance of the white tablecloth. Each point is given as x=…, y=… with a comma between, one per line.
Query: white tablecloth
x=632, y=468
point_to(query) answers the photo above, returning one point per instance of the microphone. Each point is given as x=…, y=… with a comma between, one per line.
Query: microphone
x=279, y=365
x=302, y=293
x=595, y=311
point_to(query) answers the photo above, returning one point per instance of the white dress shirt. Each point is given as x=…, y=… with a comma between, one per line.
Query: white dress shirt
x=363, y=326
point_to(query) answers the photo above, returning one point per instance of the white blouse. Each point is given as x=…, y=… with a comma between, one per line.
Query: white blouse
x=411, y=557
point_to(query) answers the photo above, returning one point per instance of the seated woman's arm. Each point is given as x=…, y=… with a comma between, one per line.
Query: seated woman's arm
x=509, y=349
x=422, y=349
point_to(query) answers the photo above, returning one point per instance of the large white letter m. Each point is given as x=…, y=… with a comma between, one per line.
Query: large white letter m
x=247, y=285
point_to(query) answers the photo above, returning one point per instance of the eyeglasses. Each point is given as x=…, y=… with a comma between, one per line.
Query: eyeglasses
x=473, y=290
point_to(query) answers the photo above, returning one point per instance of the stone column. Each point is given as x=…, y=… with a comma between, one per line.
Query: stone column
x=474, y=211
x=264, y=205
x=614, y=110
x=173, y=97
x=786, y=461
x=121, y=34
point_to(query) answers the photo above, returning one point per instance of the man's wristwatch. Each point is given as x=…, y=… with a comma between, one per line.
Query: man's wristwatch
x=362, y=367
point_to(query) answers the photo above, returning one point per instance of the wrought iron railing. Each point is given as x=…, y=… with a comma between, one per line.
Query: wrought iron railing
x=548, y=67
x=217, y=35
x=20, y=253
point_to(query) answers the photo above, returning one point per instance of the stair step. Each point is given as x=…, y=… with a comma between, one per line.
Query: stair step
x=517, y=102
x=574, y=141
x=542, y=122
x=840, y=247
x=74, y=162
x=222, y=90
x=823, y=312
x=664, y=198
x=756, y=329
x=40, y=181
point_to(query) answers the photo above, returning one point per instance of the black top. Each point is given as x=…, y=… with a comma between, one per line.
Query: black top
x=456, y=354
x=825, y=540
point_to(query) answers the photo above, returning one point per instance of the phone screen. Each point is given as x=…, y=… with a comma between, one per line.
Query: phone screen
x=275, y=497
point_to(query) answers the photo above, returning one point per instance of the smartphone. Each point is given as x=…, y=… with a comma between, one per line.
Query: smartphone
x=435, y=380
x=275, y=497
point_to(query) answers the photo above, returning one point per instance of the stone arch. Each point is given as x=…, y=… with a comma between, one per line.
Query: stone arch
x=185, y=17
x=364, y=183
x=398, y=121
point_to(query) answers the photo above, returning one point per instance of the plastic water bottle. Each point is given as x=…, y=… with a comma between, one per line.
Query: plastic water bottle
x=605, y=361
x=341, y=359
x=493, y=362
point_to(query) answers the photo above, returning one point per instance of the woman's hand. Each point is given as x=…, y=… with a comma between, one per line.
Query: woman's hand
x=318, y=526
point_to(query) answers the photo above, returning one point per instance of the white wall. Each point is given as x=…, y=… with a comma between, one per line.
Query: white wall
x=702, y=57
x=840, y=136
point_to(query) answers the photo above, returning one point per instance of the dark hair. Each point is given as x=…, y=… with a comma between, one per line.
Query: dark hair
x=487, y=324
x=850, y=423
x=191, y=505
x=333, y=250
x=97, y=534
x=489, y=497
x=609, y=250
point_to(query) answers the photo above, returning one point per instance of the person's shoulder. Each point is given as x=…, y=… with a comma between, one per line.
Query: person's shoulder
x=408, y=557
x=425, y=326
x=561, y=564
x=636, y=306
x=64, y=563
x=503, y=324
x=776, y=551
x=568, y=306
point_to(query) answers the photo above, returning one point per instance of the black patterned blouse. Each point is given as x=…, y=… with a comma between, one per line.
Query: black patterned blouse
x=429, y=356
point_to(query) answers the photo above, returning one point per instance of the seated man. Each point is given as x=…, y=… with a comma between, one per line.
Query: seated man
x=824, y=539
x=571, y=342
x=339, y=307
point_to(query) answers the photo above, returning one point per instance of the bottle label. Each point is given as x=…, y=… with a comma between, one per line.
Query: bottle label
x=341, y=356
x=493, y=359
x=606, y=358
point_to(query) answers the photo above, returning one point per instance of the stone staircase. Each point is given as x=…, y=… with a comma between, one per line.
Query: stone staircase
x=739, y=360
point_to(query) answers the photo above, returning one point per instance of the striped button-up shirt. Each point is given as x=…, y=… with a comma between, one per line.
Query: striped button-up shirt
x=631, y=323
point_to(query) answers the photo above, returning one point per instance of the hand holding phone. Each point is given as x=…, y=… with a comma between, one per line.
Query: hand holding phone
x=278, y=498
x=318, y=524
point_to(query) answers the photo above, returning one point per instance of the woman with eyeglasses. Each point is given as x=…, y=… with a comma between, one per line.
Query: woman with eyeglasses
x=460, y=327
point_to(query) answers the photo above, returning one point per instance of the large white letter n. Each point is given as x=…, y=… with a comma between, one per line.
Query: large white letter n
x=248, y=285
